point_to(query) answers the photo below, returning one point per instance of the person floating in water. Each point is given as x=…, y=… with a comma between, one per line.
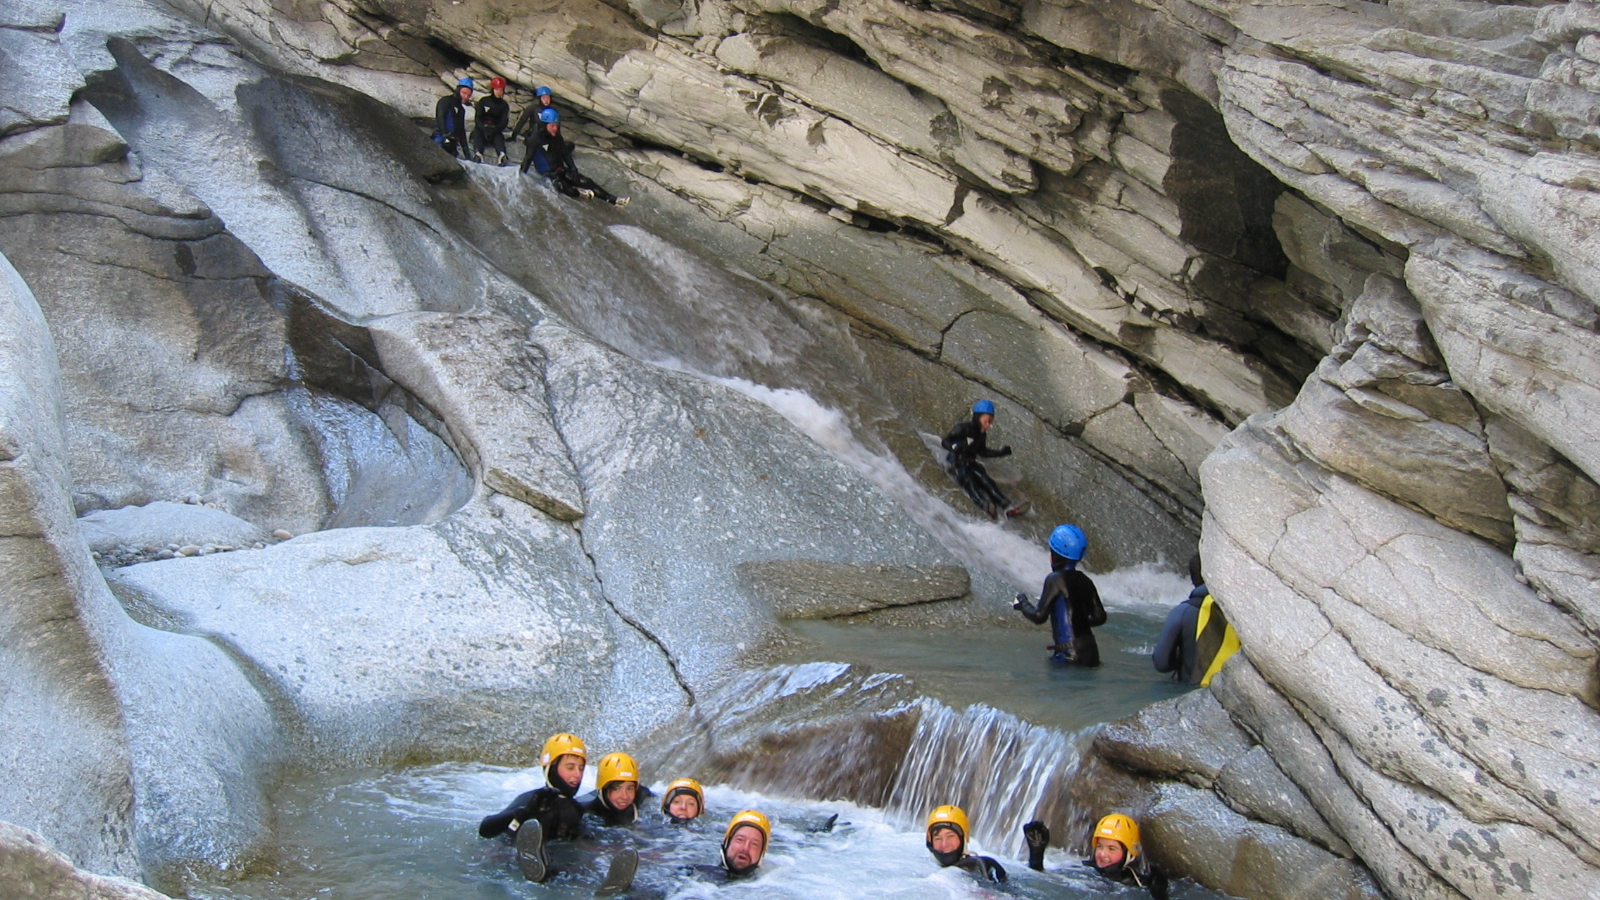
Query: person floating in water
x=683, y=801
x=552, y=158
x=1197, y=638
x=547, y=813
x=1069, y=600
x=616, y=801
x=450, y=119
x=947, y=840
x=492, y=115
x=966, y=443
x=1116, y=853
x=743, y=846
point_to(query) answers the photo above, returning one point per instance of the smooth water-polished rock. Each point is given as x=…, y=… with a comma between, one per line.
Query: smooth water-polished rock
x=813, y=589
x=474, y=637
x=161, y=523
x=30, y=869
x=125, y=744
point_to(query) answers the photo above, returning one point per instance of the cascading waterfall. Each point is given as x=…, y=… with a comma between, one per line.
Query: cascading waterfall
x=1001, y=770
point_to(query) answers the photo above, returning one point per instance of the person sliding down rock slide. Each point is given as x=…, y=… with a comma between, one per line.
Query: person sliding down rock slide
x=551, y=813
x=1117, y=853
x=552, y=158
x=965, y=444
x=1069, y=600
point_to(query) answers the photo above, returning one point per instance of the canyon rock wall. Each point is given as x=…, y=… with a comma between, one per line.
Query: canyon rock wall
x=1359, y=236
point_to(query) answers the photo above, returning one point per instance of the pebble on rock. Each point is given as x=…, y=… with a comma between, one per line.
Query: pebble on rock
x=282, y=535
x=188, y=550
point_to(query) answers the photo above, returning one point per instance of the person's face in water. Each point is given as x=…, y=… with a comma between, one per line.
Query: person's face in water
x=569, y=769
x=984, y=421
x=1108, y=852
x=945, y=840
x=744, y=848
x=620, y=794
x=684, y=806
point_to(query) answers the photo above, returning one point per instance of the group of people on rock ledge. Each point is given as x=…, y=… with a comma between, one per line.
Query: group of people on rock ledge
x=1196, y=638
x=545, y=148
x=555, y=812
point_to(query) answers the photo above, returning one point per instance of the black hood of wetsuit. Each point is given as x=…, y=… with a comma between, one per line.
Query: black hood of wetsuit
x=954, y=856
x=557, y=784
x=594, y=803
x=681, y=792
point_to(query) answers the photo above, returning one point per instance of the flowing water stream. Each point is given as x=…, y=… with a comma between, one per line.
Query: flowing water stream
x=874, y=723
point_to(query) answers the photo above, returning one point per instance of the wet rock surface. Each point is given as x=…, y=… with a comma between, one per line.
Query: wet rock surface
x=811, y=589
x=1135, y=225
x=30, y=869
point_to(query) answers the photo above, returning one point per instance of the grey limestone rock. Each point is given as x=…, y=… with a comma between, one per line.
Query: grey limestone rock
x=814, y=589
x=30, y=869
x=164, y=522
x=1190, y=739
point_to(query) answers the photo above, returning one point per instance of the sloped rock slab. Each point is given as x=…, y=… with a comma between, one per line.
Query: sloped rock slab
x=813, y=589
x=163, y=522
x=30, y=869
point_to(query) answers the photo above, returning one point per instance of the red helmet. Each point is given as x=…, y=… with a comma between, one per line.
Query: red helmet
x=496, y=83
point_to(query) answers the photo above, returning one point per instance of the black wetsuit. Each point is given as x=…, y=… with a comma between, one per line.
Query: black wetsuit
x=489, y=125
x=966, y=443
x=595, y=805
x=558, y=814
x=718, y=874
x=450, y=124
x=529, y=122
x=1140, y=874
x=1176, y=651
x=1070, y=601
x=552, y=155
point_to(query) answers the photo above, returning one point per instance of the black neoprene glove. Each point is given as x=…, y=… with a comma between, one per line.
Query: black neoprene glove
x=1006, y=450
x=1037, y=836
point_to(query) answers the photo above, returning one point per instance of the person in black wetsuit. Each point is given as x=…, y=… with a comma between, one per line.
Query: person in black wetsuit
x=493, y=114
x=743, y=846
x=1117, y=853
x=947, y=841
x=1197, y=638
x=683, y=802
x=1069, y=600
x=965, y=444
x=616, y=801
x=552, y=158
x=543, y=99
x=450, y=119
x=547, y=813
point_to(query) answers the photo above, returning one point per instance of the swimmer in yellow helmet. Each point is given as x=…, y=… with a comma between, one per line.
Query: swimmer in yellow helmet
x=684, y=801
x=547, y=813
x=616, y=800
x=743, y=846
x=1116, y=853
x=946, y=831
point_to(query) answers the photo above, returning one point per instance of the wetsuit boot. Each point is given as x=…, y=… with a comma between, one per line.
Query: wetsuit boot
x=530, y=851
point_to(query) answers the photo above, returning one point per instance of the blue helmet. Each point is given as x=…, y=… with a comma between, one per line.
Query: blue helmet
x=542, y=91
x=466, y=83
x=1069, y=542
x=549, y=115
x=983, y=408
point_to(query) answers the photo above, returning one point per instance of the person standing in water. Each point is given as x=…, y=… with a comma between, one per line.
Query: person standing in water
x=1197, y=638
x=966, y=443
x=1116, y=853
x=1069, y=600
x=946, y=834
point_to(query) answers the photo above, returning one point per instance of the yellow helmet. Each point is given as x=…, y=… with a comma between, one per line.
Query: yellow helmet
x=561, y=745
x=749, y=817
x=1122, y=829
x=947, y=815
x=679, y=788
x=617, y=767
